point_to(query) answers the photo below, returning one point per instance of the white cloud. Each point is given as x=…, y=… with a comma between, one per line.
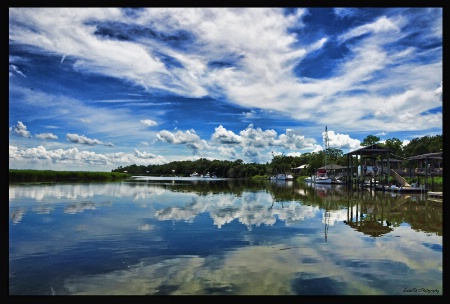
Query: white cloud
x=21, y=130
x=227, y=152
x=382, y=25
x=40, y=157
x=15, y=70
x=149, y=123
x=178, y=137
x=46, y=136
x=144, y=154
x=225, y=136
x=189, y=138
x=81, y=139
x=342, y=141
x=438, y=92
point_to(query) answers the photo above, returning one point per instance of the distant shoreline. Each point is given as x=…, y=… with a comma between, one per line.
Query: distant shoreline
x=18, y=175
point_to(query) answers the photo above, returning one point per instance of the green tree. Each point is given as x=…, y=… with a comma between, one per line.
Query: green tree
x=424, y=145
x=395, y=145
x=334, y=154
x=370, y=140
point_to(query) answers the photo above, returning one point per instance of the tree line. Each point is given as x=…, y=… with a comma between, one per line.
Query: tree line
x=284, y=163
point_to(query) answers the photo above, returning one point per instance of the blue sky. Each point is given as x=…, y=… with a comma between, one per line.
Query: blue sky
x=92, y=89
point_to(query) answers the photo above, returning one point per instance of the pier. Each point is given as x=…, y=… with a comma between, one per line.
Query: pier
x=380, y=158
x=356, y=179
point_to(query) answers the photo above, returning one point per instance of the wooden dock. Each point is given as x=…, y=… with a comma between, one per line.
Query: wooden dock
x=435, y=194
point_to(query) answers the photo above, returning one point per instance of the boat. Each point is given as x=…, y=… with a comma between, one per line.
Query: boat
x=195, y=174
x=322, y=176
x=282, y=176
x=309, y=179
x=207, y=175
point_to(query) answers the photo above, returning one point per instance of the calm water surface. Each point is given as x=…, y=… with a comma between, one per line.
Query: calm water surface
x=192, y=236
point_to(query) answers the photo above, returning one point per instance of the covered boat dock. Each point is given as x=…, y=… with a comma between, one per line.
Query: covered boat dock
x=369, y=154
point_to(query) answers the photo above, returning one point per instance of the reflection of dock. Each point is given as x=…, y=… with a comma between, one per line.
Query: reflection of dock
x=435, y=197
x=402, y=189
x=435, y=194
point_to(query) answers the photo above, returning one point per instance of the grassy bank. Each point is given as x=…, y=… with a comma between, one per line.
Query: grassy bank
x=55, y=176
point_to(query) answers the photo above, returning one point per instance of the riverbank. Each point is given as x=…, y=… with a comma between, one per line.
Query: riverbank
x=16, y=175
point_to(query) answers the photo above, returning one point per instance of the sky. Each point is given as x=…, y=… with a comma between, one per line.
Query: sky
x=93, y=89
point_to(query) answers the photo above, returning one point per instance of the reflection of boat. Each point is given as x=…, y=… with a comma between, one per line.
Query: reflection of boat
x=282, y=183
x=323, y=189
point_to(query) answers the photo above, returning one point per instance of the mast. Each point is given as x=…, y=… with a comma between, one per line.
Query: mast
x=326, y=146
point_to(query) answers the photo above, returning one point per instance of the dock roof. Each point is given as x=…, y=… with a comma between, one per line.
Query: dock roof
x=369, y=150
x=437, y=155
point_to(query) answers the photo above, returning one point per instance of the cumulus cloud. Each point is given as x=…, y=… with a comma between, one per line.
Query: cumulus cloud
x=178, y=137
x=290, y=140
x=257, y=137
x=188, y=138
x=140, y=154
x=342, y=141
x=149, y=123
x=227, y=152
x=250, y=114
x=46, y=136
x=21, y=130
x=81, y=139
x=74, y=158
x=224, y=136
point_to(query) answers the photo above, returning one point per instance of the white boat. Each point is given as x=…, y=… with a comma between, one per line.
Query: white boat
x=322, y=176
x=207, y=175
x=282, y=176
x=195, y=174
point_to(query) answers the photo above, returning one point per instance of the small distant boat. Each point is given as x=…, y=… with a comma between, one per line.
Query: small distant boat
x=206, y=175
x=282, y=176
x=195, y=174
x=322, y=177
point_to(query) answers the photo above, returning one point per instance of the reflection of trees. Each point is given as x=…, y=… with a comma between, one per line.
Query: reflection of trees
x=252, y=202
x=205, y=186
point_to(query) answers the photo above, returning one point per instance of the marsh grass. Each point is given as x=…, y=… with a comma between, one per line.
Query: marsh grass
x=16, y=175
